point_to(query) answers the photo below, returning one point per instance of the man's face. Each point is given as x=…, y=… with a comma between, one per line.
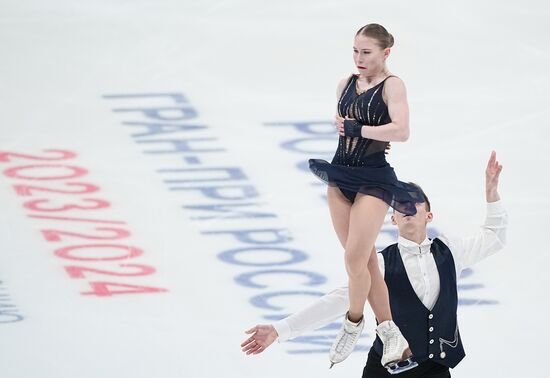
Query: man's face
x=412, y=223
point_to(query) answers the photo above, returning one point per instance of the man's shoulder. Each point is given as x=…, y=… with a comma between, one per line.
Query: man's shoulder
x=389, y=249
x=445, y=243
x=444, y=239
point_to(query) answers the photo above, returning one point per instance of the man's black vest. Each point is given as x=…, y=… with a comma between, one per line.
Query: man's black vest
x=432, y=335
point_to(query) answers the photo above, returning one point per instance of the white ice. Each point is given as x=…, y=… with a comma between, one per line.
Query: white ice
x=477, y=80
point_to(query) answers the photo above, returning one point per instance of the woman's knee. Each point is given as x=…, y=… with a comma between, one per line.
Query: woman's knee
x=356, y=261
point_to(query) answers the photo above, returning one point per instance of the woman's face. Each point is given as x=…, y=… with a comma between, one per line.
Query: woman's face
x=369, y=58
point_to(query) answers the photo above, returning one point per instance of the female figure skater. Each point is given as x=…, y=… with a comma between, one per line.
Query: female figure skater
x=372, y=111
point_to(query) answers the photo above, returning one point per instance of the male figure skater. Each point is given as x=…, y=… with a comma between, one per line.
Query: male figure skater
x=421, y=275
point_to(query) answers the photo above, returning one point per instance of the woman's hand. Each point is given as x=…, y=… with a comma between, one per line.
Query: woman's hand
x=262, y=336
x=348, y=127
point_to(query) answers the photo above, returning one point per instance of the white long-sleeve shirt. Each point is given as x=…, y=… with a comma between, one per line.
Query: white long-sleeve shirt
x=421, y=271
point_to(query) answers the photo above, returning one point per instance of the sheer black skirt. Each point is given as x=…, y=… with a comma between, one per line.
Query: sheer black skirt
x=375, y=178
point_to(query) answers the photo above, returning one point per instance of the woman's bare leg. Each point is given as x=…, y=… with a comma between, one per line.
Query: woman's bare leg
x=366, y=218
x=340, y=209
x=379, y=298
x=357, y=227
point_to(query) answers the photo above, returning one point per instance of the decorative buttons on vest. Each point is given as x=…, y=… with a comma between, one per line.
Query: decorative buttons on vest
x=431, y=355
x=442, y=355
x=431, y=316
x=431, y=341
x=431, y=329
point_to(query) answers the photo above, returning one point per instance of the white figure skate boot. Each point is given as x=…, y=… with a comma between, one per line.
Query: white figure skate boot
x=394, y=358
x=346, y=340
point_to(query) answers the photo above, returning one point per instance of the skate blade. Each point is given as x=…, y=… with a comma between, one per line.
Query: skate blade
x=401, y=366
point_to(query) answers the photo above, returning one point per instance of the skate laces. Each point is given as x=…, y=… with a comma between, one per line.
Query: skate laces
x=391, y=341
x=344, y=339
x=342, y=343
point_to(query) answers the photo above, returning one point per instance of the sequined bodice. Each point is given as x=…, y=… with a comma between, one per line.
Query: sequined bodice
x=370, y=109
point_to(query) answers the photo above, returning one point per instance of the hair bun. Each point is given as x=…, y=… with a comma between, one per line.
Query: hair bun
x=378, y=32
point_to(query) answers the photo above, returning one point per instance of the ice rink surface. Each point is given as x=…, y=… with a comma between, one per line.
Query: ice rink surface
x=155, y=202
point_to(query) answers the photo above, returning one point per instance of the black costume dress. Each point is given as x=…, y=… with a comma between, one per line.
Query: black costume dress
x=359, y=164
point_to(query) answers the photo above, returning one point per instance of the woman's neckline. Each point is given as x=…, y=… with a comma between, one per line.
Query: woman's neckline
x=368, y=89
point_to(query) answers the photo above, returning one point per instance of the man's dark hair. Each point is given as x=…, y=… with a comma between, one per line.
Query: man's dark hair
x=426, y=200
